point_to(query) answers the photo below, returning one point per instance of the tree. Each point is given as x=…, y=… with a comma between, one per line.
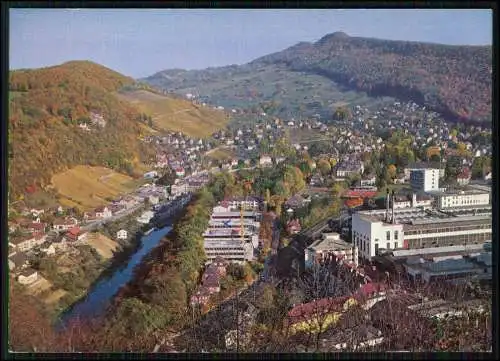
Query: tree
x=391, y=171
x=324, y=167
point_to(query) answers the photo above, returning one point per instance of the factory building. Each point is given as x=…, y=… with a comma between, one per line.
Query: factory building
x=374, y=232
x=468, y=197
x=232, y=235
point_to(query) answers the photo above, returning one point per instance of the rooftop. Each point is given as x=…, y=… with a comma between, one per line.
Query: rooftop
x=439, y=250
x=458, y=191
x=330, y=244
x=419, y=216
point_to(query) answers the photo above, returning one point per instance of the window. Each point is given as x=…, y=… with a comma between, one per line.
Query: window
x=388, y=245
x=396, y=245
x=396, y=235
x=388, y=235
x=376, y=240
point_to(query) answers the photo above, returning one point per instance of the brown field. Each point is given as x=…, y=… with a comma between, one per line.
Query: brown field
x=177, y=115
x=88, y=187
x=102, y=244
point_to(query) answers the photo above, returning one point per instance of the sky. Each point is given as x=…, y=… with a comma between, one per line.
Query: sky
x=140, y=42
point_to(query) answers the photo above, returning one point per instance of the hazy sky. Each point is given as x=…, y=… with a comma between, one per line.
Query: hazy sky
x=141, y=42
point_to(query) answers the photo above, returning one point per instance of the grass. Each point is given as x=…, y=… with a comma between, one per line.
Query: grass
x=88, y=187
x=177, y=115
x=301, y=135
x=220, y=154
x=102, y=244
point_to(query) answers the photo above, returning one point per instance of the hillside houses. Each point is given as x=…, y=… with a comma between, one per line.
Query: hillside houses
x=26, y=242
x=97, y=120
x=63, y=224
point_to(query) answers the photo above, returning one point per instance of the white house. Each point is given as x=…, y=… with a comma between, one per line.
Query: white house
x=265, y=160
x=28, y=277
x=103, y=212
x=153, y=200
x=64, y=224
x=122, y=234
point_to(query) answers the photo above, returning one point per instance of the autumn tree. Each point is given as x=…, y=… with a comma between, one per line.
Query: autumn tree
x=324, y=167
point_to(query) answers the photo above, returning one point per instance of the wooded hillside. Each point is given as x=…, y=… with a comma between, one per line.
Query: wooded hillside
x=308, y=78
x=46, y=108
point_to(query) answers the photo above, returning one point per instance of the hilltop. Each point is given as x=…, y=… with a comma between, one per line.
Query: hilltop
x=310, y=78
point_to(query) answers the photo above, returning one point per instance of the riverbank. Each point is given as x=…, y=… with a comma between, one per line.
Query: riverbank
x=121, y=268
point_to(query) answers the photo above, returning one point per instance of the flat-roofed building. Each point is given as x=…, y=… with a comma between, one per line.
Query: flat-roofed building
x=232, y=235
x=413, y=228
x=424, y=179
x=467, y=197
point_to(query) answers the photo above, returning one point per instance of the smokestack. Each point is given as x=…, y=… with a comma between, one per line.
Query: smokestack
x=393, y=199
x=387, y=206
x=414, y=200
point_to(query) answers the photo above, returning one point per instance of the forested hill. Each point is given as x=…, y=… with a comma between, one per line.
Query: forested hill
x=47, y=107
x=454, y=80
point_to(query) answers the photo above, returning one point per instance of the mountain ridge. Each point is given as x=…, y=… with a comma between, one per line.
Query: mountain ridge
x=454, y=80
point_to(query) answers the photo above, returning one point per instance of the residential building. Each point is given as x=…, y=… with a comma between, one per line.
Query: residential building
x=464, y=177
x=153, y=200
x=75, y=235
x=265, y=161
x=424, y=165
x=145, y=217
x=19, y=261
x=368, y=180
x=27, y=242
x=330, y=247
x=28, y=276
x=122, y=234
x=103, y=212
x=424, y=180
x=63, y=224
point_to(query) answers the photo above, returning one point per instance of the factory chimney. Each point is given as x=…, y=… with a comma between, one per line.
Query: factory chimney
x=413, y=200
x=393, y=220
x=387, y=206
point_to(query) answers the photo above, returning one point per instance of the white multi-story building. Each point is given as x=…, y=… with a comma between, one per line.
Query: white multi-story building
x=232, y=235
x=470, y=197
x=414, y=228
x=424, y=180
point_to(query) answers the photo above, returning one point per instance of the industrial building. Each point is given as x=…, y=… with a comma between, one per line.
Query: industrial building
x=232, y=235
x=376, y=231
x=466, y=197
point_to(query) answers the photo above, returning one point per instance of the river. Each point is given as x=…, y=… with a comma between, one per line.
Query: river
x=100, y=295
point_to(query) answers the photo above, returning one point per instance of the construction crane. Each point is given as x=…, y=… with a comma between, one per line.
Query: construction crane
x=247, y=186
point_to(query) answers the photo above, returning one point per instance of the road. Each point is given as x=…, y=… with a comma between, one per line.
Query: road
x=96, y=224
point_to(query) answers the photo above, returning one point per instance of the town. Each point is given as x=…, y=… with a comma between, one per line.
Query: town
x=411, y=206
